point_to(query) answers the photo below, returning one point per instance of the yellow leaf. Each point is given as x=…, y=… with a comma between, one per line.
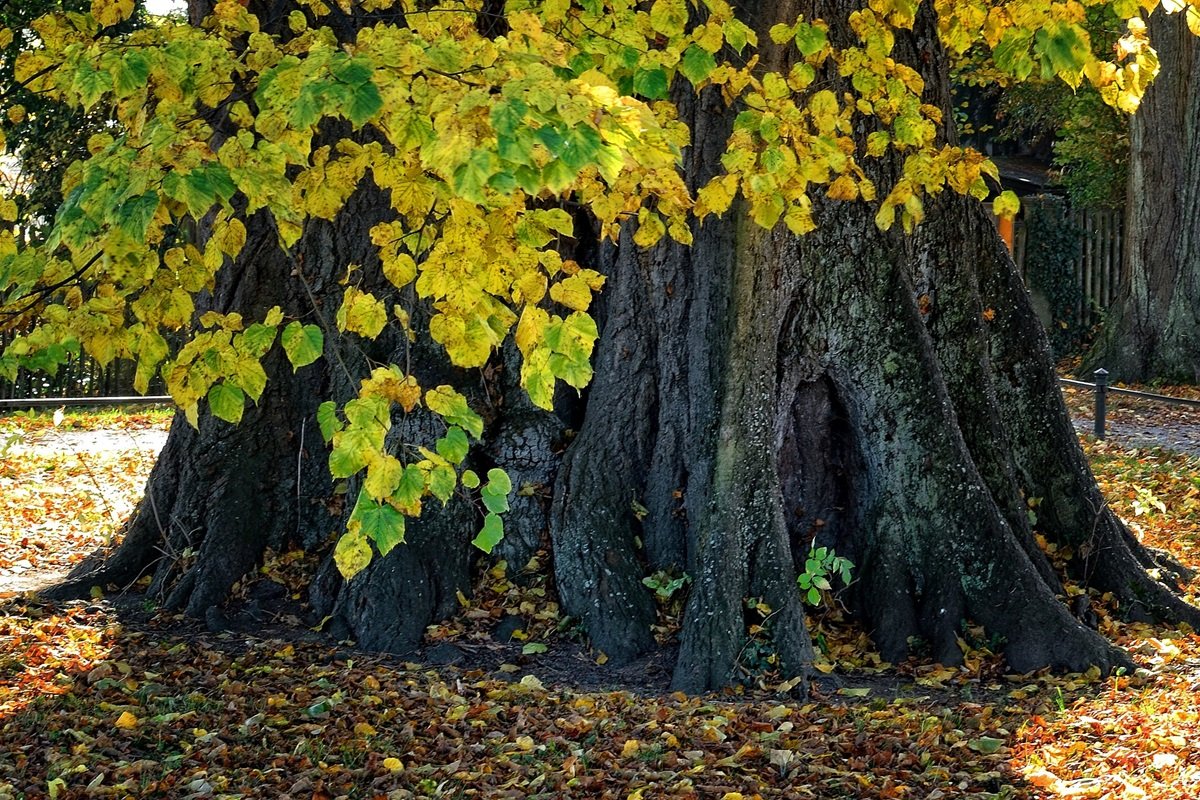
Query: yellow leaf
x=364, y=729
x=650, y=229
x=110, y=12
x=1041, y=778
x=393, y=764
x=408, y=395
x=399, y=268
x=843, y=189
x=1006, y=205
x=126, y=721
x=361, y=313
x=632, y=748
x=717, y=196
x=573, y=292
x=524, y=742
x=352, y=554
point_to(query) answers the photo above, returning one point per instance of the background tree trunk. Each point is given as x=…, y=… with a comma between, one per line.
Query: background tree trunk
x=892, y=397
x=1154, y=328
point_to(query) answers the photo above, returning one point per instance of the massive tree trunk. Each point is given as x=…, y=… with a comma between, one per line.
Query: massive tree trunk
x=1154, y=329
x=889, y=396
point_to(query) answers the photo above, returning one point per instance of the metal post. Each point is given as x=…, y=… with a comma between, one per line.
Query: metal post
x=1101, y=376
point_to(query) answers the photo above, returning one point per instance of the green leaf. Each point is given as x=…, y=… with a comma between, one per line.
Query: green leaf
x=495, y=492
x=91, y=83
x=352, y=554
x=328, y=420
x=355, y=70
x=454, y=445
x=492, y=533
x=452, y=407
x=364, y=102
x=412, y=487
x=651, y=83
x=813, y=597
x=135, y=214
x=442, y=480
x=350, y=453
x=986, y=745
x=697, y=64
x=303, y=344
x=469, y=479
x=1064, y=48
x=810, y=39
x=251, y=377
x=227, y=402
x=258, y=338
x=380, y=522
x=1011, y=53
x=533, y=648
x=130, y=73
x=499, y=479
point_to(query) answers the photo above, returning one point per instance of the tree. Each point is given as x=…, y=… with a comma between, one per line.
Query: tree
x=389, y=191
x=1154, y=331
x=44, y=136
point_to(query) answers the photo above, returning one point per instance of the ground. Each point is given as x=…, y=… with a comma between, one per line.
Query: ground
x=109, y=698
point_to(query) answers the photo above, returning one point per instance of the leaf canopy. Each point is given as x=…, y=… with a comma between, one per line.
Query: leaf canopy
x=482, y=143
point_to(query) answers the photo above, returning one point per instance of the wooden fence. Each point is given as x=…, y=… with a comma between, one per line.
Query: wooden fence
x=1098, y=269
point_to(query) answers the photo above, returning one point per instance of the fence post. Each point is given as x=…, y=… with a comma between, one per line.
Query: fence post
x=1101, y=376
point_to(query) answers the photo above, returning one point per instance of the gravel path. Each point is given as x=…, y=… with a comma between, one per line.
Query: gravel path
x=94, y=441
x=1177, y=437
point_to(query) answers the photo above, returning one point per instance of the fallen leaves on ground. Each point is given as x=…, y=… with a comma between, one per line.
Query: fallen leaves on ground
x=60, y=502
x=101, y=702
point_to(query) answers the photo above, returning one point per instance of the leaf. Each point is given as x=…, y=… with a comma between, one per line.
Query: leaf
x=328, y=420
x=810, y=39
x=1006, y=205
x=352, y=554
x=495, y=492
x=379, y=522
x=303, y=344
x=491, y=534
x=227, y=402
x=126, y=721
x=362, y=313
x=454, y=445
x=651, y=83
x=697, y=64
x=986, y=745
x=533, y=648
x=452, y=407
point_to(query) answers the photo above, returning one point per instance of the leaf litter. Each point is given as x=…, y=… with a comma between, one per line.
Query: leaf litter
x=111, y=699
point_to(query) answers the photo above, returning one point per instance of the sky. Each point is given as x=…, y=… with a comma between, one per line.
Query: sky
x=164, y=6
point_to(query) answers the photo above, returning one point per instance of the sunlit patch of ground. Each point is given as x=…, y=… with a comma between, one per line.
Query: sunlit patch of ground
x=66, y=489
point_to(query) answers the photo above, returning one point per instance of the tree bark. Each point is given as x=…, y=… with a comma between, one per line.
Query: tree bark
x=891, y=397
x=1154, y=329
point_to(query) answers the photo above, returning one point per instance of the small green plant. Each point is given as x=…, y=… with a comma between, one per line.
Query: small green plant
x=819, y=568
x=665, y=585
